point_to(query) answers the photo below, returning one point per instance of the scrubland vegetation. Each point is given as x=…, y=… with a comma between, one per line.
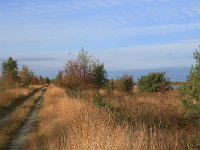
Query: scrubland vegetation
x=85, y=110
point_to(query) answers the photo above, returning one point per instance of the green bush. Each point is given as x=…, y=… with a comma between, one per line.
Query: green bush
x=125, y=83
x=154, y=82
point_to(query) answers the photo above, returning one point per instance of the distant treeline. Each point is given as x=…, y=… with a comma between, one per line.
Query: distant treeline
x=11, y=76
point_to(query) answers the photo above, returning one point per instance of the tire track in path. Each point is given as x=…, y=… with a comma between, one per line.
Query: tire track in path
x=17, y=142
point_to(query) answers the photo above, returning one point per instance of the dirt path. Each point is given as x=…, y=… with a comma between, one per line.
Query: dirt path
x=18, y=141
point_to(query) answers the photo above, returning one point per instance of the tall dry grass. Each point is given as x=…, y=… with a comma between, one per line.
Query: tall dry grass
x=15, y=96
x=161, y=113
x=9, y=96
x=65, y=123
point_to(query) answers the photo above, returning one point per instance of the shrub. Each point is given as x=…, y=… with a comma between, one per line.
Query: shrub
x=154, y=82
x=99, y=75
x=59, y=79
x=190, y=91
x=125, y=83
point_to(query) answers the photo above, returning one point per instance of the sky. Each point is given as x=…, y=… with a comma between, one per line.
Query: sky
x=124, y=34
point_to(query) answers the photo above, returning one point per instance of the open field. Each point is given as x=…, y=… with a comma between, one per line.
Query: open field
x=154, y=123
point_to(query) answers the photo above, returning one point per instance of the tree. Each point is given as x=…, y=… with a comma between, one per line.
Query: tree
x=41, y=80
x=77, y=72
x=81, y=73
x=84, y=68
x=59, y=79
x=34, y=79
x=154, y=82
x=46, y=80
x=99, y=75
x=10, y=72
x=24, y=75
x=190, y=91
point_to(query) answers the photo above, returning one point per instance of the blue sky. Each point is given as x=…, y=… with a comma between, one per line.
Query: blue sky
x=124, y=34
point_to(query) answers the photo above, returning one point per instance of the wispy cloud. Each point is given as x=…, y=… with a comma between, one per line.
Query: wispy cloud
x=45, y=25
x=37, y=59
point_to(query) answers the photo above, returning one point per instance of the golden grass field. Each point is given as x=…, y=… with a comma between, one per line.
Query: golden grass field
x=66, y=123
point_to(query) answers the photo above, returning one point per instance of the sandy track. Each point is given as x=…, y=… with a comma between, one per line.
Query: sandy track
x=18, y=140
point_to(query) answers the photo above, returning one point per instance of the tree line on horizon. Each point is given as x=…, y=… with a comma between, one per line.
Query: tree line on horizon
x=11, y=76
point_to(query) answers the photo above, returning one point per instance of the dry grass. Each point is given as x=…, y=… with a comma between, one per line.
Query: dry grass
x=9, y=96
x=16, y=119
x=15, y=96
x=65, y=123
x=161, y=113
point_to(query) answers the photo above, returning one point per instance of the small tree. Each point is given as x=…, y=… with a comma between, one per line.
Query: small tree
x=41, y=80
x=59, y=79
x=71, y=75
x=24, y=75
x=99, y=75
x=46, y=80
x=34, y=78
x=125, y=83
x=154, y=82
x=77, y=71
x=84, y=62
x=190, y=91
x=81, y=73
x=10, y=72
